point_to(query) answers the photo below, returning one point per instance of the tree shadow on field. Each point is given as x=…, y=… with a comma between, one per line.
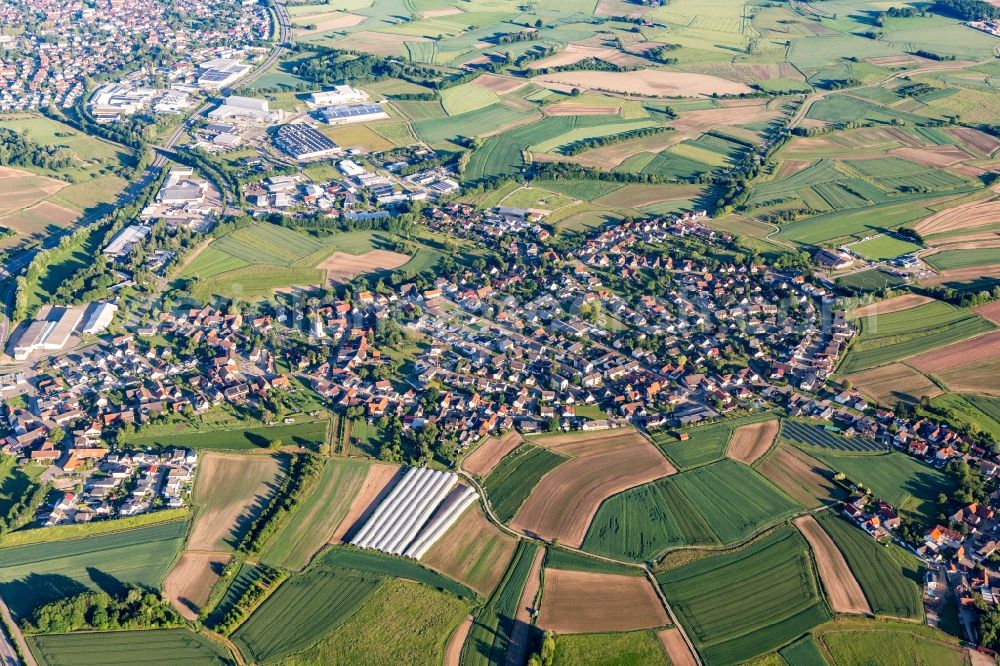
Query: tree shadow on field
x=23, y=595
x=105, y=582
x=256, y=505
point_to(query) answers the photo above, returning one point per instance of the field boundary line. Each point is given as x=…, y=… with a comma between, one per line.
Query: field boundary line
x=15, y=632
x=670, y=613
x=225, y=642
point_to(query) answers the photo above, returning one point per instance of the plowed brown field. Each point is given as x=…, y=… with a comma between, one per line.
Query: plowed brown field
x=802, y=477
x=676, y=647
x=189, y=583
x=377, y=484
x=577, y=602
x=904, y=302
x=564, y=502
x=474, y=552
x=841, y=587
x=487, y=455
x=979, y=348
x=749, y=442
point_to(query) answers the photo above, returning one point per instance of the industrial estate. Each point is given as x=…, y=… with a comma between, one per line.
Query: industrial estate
x=467, y=332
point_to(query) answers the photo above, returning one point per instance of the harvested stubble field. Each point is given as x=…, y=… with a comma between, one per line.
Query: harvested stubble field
x=890, y=577
x=842, y=590
x=501, y=85
x=341, y=267
x=978, y=377
x=481, y=461
x=750, y=442
x=190, y=582
x=643, y=82
x=748, y=601
x=964, y=216
x=800, y=476
x=565, y=501
x=892, y=383
x=975, y=349
x=39, y=218
x=21, y=189
x=576, y=602
x=377, y=484
x=473, y=552
x=229, y=492
x=895, y=304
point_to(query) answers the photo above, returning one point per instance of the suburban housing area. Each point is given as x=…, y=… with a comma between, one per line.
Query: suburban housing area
x=477, y=332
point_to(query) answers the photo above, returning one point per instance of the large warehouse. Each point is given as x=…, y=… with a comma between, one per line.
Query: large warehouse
x=304, y=142
x=50, y=334
x=358, y=113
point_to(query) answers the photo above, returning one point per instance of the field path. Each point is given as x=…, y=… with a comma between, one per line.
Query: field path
x=22, y=645
x=841, y=586
x=453, y=650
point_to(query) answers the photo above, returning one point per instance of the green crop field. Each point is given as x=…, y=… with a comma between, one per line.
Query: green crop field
x=898, y=335
x=803, y=652
x=890, y=577
x=370, y=561
x=560, y=558
x=749, y=601
x=707, y=443
x=302, y=610
x=253, y=261
x=631, y=648
x=722, y=502
x=37, y=574
x=308, y=434
x=510, y=483
x=911, y=486
x=312, y=524
x=866, y=642
x=401, y=623
x=981, y=411
x=884, y=247
x=949, y=260
x=125, y=648
x=872, y=280
x=491, y=631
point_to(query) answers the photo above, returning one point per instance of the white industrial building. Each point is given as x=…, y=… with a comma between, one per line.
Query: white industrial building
x=99, y=318
x=345, y=114
x=245, y=109
x=113, y=100
x=50, y=334
x=121, y=245
x=181, y=188
x=221, y=72
x=339, y=95
x=421, y=508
